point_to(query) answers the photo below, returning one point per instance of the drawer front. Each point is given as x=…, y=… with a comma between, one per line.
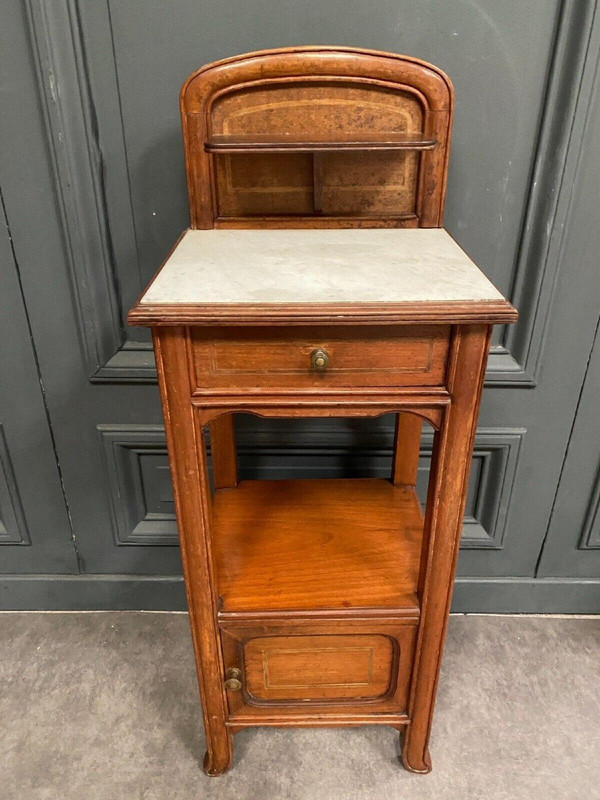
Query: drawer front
x=290, y=669
x=232, y=359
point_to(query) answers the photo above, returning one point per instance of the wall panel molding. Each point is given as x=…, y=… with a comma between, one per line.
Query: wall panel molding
x=78, y=167
x=590, y=534
x=13, y=525
x=140, y=489
x=569, y=89
x=494, y=468
x=140, y=485
x=73, y=134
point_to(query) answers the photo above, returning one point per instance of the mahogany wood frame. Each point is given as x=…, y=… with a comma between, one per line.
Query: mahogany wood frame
x=455, y=422
x=450, y=407
x=291, y=67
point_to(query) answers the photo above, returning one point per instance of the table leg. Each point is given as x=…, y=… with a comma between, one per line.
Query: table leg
x=407, y=443
x=223, y=453
x=191, y=491
x=451, y=460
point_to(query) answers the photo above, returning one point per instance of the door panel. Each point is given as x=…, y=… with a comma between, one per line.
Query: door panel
x=572, y=545
x=98, y=166
x=548, y=409
x=312, y=668
x=296, y=667
x=572, y=548
x=35, y=535
x=56, y=275
x=134, y=92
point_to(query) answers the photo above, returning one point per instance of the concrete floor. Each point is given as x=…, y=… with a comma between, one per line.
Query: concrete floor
x=103, y=706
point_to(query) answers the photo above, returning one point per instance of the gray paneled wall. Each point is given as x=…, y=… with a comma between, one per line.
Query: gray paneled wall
x=94, y=194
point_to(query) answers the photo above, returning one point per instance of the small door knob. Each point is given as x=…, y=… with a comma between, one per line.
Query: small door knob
x=233, y=683
x=319, y=359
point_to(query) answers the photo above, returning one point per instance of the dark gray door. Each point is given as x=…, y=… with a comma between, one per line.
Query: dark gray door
x=35, y=535
x=572, y=548
x=97, y=164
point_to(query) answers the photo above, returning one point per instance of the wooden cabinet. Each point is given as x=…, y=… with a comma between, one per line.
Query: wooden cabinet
x=318, y=602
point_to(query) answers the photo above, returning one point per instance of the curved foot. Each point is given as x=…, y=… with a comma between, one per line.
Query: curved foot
x=212, y=768
x=421, y=767
x=419, y=763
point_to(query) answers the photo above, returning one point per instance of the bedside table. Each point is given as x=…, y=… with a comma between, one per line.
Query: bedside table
x=318, y=602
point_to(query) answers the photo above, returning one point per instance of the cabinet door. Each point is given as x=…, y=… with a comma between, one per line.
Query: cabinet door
x=294, y=668
x=35, y=534
x=572, y=547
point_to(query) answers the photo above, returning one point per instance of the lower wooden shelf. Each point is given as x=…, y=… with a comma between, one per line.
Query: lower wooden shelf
x=317, y=545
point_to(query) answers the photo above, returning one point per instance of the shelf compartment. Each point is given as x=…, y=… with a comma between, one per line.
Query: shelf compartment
x=274, y=175
x=310, y=545
x=269, y=143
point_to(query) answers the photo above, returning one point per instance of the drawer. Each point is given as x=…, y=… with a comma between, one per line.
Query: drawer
x=290, y=669
x=319, y=358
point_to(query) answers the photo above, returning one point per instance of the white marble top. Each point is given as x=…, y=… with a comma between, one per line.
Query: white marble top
x=318, y=266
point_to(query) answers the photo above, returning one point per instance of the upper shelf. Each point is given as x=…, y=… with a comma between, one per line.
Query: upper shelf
x=268, y=143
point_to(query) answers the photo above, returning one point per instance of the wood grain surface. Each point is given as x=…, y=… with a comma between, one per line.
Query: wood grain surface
x=316, y=544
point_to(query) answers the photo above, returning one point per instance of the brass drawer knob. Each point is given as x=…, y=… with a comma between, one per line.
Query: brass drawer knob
x=319, y=359
x=233, y=683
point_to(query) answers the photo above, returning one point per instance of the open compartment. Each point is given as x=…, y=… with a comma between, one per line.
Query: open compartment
x=341, y=537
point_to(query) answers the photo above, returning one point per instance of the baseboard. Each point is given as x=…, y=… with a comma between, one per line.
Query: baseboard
x=166, y=593
x=527, y=596
x=92, y=593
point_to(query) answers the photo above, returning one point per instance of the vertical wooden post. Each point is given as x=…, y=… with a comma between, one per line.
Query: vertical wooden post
x=451, y=463
x=187, y=457
x=223, y=453
x=407, y=443
x=317, y=160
